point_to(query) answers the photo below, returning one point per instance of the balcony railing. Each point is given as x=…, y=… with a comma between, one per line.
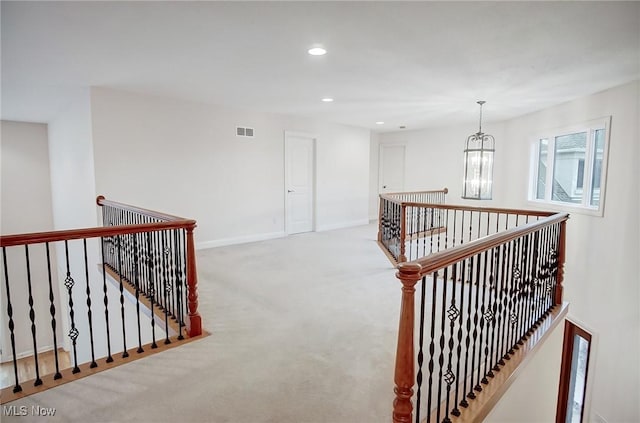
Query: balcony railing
x=489, y=285
x=117, y=292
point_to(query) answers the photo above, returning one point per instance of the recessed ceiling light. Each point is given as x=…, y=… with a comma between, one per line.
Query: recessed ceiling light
x=379, y=122
x=327, y=100
x=317, y=51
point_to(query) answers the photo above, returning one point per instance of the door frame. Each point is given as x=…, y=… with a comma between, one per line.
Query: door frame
x=381, y=162
x=314, y=140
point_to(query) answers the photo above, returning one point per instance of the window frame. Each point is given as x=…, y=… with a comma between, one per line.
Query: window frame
x=571, y=330
x=584, y=207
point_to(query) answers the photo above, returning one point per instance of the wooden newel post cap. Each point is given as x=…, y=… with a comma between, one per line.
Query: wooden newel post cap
x=99, y=198
x=446, y=190
x=409, y=272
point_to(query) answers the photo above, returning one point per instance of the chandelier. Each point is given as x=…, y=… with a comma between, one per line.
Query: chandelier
x=478, y=164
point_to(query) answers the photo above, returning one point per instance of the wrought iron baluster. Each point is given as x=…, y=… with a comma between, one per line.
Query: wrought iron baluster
x=16, y=387
x=476, y=319
x=73, y=333
x=151, y=287
x=165, y=285
x=462, y=270
x=501, y=301
x=484, y=317
x=136, y=276
x=32, y=317
x=105, y=301
x=119, y=245
x=434, y=280
x=441, y=344
x=420, y=349
x=52, y=309
x=452, y=313
x=89, y=316
x=468, y=342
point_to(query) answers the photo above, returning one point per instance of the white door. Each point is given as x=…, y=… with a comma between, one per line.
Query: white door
x=391, y=168
x=299, y=182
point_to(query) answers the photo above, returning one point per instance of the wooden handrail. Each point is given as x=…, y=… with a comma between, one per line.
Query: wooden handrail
x=479, y=209
x=433, y=191
x=445, y=258
x=102, y=201
x=62, y=235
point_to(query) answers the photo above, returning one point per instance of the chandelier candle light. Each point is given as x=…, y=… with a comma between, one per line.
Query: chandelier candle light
x=478, y=164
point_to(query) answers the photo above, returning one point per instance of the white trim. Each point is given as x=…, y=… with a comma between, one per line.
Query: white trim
x=9, y=357
x=239, y=240
x=314, y=138
x=550, y=135
x=341, y=225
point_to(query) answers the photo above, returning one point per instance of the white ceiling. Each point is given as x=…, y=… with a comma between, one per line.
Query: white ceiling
x=417, y=64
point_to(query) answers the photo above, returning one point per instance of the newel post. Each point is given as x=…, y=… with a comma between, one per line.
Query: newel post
x=409, y=275
x=403, y=233
x=562, y=253
x=195, y=321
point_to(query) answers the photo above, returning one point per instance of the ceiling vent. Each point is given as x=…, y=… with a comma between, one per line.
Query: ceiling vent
x=242, y=131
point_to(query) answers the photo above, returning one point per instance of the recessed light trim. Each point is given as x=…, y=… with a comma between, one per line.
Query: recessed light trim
x=379, y=122
x=317, y=51
x=327, y=99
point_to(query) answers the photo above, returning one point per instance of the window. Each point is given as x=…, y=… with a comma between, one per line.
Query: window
x=573, y=374
x=569, y=167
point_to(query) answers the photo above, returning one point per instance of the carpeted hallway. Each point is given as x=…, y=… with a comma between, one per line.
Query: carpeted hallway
x=303, y=329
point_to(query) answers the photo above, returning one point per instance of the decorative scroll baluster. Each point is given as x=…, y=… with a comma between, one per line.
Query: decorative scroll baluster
x=89, y=316
x=73, y=333
x=441, y=343
x=16, y=388
x=151, y=287
x=483, y=318
x=452, y=314
x=32, y=317
x=52, y=309
x=432, y=345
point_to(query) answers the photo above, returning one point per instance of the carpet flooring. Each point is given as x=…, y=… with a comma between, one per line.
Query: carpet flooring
x=303, y=329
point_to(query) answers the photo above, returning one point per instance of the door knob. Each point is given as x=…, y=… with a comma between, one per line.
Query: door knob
x=384, y=186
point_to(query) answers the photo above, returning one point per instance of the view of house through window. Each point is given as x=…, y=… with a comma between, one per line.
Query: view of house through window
x=569, y=166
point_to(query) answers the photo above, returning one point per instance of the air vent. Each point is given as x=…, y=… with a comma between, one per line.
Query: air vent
x=242, y=131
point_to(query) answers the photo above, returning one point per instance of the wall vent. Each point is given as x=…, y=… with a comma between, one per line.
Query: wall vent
x=242, y=131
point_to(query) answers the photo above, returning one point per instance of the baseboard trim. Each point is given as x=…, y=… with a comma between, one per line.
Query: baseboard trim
x=239, y=240
x=341, y=225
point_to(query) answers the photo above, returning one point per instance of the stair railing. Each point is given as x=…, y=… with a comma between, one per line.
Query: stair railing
x=409, y=230
x=396, y=224
x=478, y=303
x=130, y=283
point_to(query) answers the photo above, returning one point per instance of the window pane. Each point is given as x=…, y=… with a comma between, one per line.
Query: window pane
x=597, y=167
x=543, y=153
x=579, y=363
x=569, y=150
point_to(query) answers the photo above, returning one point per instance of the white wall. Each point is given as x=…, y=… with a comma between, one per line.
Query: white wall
x=72, y=169
x=532, y=397
x=26, y=207
x=601, y=279
x=74, y=206
x=183, y=158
